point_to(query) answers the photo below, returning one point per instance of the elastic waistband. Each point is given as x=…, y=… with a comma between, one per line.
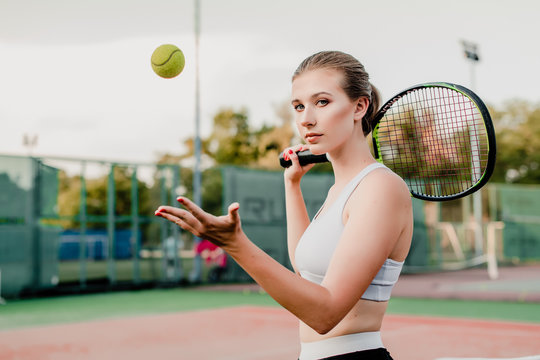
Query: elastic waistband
x=340, y=345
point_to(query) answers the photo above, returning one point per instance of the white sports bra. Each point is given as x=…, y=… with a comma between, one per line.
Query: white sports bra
x=318, y=243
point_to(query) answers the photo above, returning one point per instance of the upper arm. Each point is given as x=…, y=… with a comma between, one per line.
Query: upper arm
x=379, y=210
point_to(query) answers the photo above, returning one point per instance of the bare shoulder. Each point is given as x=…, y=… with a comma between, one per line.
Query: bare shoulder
x=380, y=193
x=383, y=184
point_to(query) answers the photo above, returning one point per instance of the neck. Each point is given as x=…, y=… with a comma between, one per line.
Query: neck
x=349, y=160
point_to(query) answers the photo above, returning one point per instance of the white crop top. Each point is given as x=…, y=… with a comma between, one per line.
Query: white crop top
x=318, y=243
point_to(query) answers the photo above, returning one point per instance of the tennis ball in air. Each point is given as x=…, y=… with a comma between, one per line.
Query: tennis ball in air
x=168, y=61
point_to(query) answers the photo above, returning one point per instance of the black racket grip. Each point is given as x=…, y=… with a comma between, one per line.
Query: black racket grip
x=305, y=157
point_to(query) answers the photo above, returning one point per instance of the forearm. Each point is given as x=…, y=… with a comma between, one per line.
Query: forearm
x=309, y=302
x=297, y=216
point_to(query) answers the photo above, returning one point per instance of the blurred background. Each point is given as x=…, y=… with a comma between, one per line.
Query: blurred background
x=92, y=141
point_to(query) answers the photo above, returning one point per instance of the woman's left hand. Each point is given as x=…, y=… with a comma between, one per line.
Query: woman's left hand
x=220, y=230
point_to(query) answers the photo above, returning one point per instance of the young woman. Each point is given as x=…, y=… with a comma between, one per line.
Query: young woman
x=347, y=259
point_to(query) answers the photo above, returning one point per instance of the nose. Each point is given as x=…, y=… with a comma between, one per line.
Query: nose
x=307, y=118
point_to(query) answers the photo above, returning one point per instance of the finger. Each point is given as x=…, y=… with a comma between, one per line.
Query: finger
x=184, y=215
x=299, y=147
x=177, y=212
x=167, y=209
x=233, y=212
x=178, y=221
x=307, y=167
x=197, y=212
x=296, y=162
x=294, y=148
x=294, y=158
x=286, y=154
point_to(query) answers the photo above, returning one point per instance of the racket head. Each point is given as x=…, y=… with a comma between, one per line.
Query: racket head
x=439, y=138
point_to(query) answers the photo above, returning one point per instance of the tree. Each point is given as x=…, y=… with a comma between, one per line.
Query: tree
x=271, y=140
x=517, y=127
x=231, y=141
x=69, y=198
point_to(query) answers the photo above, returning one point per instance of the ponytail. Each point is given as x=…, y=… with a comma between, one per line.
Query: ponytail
x=369, y=117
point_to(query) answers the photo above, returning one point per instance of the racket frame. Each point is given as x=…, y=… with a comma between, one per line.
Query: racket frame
x=490, y=132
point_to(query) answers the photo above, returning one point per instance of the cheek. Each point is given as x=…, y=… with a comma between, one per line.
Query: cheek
x=297, y=123
x=344, y=119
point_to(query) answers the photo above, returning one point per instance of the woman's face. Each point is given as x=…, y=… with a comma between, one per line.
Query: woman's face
x=325, y=116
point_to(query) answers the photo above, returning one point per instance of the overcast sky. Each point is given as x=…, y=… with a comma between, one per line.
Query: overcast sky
x=77, y=72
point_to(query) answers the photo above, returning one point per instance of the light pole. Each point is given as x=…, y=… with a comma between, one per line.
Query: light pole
x=470, y=51
x=30, y=142
x=197, y=167
x=195, y=275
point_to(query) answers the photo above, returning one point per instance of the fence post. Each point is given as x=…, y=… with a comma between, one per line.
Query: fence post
x=83, y=220
x=135, y=225
x=111, y=206
x=34, y=212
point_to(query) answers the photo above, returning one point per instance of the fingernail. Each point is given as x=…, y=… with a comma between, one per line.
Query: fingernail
x=290, y=151
x=180, y=200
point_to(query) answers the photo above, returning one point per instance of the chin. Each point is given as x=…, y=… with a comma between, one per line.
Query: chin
x=317, y=149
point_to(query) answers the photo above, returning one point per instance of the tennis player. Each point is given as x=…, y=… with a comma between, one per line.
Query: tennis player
x=349, y=256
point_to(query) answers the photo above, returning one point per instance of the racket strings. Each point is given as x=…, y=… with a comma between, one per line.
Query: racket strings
x=436, y=140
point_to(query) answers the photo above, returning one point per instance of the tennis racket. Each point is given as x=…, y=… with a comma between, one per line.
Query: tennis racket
x=437, y=136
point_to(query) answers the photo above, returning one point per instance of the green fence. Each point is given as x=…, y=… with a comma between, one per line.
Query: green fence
x=79, y=223
x=75, y=223
x=518, y=207
x=27, y=248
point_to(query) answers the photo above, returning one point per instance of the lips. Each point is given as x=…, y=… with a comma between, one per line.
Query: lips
x=312, y=137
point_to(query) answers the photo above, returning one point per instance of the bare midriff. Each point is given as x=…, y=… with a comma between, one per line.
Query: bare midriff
x=365, y=316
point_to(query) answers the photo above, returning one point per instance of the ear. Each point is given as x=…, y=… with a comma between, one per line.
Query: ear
x=362, y=105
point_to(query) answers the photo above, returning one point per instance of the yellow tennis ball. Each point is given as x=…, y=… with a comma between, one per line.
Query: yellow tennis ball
x=168, y=61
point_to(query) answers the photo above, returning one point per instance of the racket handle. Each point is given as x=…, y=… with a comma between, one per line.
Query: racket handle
x=305, y=157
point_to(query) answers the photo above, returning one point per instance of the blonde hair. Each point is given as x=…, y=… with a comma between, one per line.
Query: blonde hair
x=355, y=79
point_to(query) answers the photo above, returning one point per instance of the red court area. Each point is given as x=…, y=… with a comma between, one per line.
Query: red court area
x=257, y=333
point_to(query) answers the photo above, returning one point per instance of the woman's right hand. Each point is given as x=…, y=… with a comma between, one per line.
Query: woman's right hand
x=223, y=231
x=295, y=172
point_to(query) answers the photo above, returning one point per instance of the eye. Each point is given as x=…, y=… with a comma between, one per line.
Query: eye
x=322, y=102
x=298, y=107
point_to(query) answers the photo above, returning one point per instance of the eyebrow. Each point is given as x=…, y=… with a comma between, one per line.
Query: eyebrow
x=316, y=95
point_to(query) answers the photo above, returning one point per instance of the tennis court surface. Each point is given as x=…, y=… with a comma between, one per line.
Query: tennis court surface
x=263, y=333
x=269, y=332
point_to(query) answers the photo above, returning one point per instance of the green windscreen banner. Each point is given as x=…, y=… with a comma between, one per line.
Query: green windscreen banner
x=519, y=209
